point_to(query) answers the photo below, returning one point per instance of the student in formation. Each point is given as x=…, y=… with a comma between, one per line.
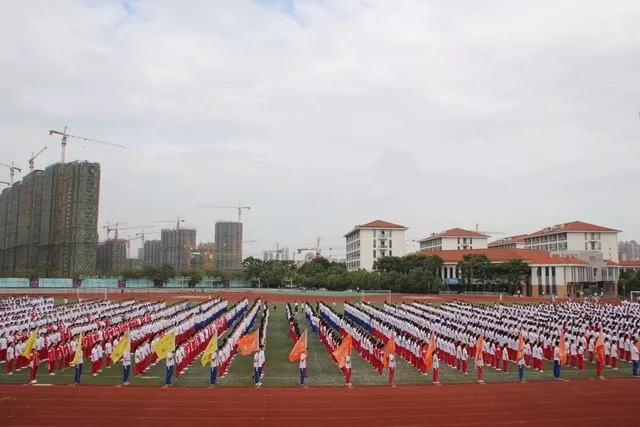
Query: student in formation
x=256, y=369
x=347, y=370
x=95, y=355
x=614, y=355
x=170, y=365
x=214, y=368
x=556, y=361
x=436, y=368
x=303, y=369
x=392, y=369
x=33, y=364
x=635, y=357
x=262, y=359
x=11, y=357
x=505, y=359
x=580, y=357
x=108, y=348
x=51, y=359
x=126, y=366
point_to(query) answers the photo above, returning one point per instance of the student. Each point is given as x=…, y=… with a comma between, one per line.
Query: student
x=11, y=352
x=505, y=359
x=95, y=355
x=33, y=364
x=347, y=370
x=392, y=369
x=51, y=359
x=581, y=357
x=436, y=368
x=634, y=357
x=573, y=352
x=214, y=368
x=126, y=366
x=77, y=374
x=170, y=364
x=614, y=355
x=108, y=348
x=480, y=366
x=4, y=343
x=262, y=359
x=556, y=361
x=303, y=369
x=521, y=365
x=256, y=369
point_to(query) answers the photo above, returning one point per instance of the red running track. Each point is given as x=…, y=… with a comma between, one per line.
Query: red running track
x=567, y=403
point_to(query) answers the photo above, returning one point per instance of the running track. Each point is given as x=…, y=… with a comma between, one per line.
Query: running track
x=568, y=403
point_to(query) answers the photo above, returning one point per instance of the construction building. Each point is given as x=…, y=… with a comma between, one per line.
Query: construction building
x=152, y=254
x=629, y=251
x=201, y=257
x=111, y=256
x=228, y=246
x=175, y=247
x=51, y=218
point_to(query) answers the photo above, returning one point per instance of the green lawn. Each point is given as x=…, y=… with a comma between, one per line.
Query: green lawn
x=280, y=372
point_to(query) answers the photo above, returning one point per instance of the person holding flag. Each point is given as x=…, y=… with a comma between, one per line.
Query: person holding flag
x=479, y=359
x=256, y=369
x=170, y=364
x=599, y=349
x=122, y=350
x=392, y=369
x=33, y=364
x=78, y=361
x=299, y=353
x=126, y=366
x=342, y=355
x=520, y=357
x=389, y=358
x=214, y=368
x=210, y=356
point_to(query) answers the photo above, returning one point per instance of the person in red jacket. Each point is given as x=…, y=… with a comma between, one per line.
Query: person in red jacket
x=51, y=359
x=33, y=364
x=60, y=356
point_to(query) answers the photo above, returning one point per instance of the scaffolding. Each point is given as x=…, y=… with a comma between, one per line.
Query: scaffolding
x=175, y=247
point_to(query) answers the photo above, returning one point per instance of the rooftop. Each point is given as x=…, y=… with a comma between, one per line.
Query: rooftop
x=574, y=226
x=513, y=239
x=378, y=223
x=534, y=257
x=454, y=232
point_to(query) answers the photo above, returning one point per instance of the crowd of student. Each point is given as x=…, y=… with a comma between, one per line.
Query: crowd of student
x=294, y=329
x=228, y=348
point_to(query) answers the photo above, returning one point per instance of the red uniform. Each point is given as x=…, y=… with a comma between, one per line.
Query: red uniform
x=35, y=360
x=51, y=358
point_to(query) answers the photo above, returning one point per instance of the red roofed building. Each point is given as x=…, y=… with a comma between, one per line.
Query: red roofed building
x=551, y=274
x=630, y=265
x=514, y=242
x=455, y=238
x=373, y=240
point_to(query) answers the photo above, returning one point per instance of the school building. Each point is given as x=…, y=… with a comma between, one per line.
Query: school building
x=454, y=239
x=376, y=239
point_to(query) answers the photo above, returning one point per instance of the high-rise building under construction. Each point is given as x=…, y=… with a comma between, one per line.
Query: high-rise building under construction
x=50, y=218
x=152, y=253
x=175, y=247
x=228, y=246
x=111, y=256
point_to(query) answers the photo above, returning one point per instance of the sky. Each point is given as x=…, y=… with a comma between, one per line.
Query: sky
x=324, y=114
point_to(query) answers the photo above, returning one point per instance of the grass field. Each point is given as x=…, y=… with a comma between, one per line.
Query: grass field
x=280, y=372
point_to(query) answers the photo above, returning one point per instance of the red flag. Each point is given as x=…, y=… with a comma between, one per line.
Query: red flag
x=299, y=348
x=520, y=351
x=599, y=347
x=342, y=350
x=428, y=357
x=479, y=348
x=388, y=349
x=562, y=348
x=248, y=343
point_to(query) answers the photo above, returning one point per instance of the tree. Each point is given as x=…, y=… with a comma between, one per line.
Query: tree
x=162, y=274
x=474, y=267
x=629, y=281
x=514, y=272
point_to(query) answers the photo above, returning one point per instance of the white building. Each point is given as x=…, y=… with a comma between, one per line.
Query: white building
x=454, y=239
x=574, y=237
x=513, y=242
x=376, y=239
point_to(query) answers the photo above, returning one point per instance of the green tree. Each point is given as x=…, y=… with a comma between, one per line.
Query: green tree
x=629, y=281
x=474, y=268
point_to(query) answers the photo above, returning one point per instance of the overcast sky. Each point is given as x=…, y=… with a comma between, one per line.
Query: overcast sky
x=323, y=114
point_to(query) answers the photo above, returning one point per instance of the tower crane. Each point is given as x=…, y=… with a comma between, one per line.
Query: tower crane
x=66, y=135
x=277, y=251
x=4, y=182
x=115, y=227
x=239, y=208
x=318, y=249
x=488, y=232
x=177, y=221
x=142, y=235
x=12, y=171
x=33, y=157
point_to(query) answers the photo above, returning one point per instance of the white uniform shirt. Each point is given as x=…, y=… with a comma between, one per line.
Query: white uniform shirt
x=170, y=359
x=303, y=361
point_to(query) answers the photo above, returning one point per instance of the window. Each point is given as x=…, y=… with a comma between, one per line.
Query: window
x=390, y=244
x=390, y=253
x=374, y=233
x=458, y=241
x=471, y=240
x=374, y=253
x=585, y=236
x=586, y=246
x=389, y=233
x=374, y=243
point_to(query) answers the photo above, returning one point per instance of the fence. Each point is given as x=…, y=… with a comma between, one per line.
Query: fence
x=114, y=283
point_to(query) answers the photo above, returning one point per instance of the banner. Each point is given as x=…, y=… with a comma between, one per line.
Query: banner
x=164, y=345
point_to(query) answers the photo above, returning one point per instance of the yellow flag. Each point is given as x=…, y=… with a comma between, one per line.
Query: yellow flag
x=77, y=359
x=164, y=345
x=120, y=349
x=30, y=344
x=211, y=347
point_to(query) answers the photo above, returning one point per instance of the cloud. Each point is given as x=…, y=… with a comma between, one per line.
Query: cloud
x=324, y=114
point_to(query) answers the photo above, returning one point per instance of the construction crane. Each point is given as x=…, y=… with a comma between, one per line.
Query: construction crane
x=117, y=228
x=239, y=208
x=33, y=157
x=66, y=135
x=4, y=182
x=177, y=221
x=277, y=251
x=142, y=235
x=114, y=227
x=488, y=232
x=12, y=169
x=317, y=249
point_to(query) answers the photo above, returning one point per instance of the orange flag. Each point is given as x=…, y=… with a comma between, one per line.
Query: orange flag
x=599, y=347
x=342, y=350
x=638, y=346
x=298, y=348
x=388, y=349
x=479, y=348
x=562, y=348
x=428, y=357
x=520, y=351
x=248, y=343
